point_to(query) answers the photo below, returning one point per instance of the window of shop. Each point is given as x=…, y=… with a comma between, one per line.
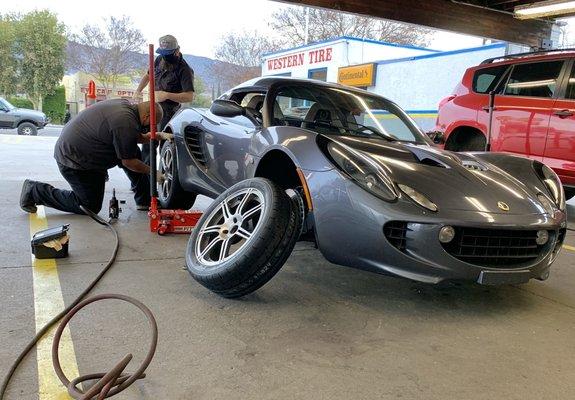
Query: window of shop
x=319, y=74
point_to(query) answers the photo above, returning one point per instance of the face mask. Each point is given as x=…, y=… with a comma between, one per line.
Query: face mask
x=171, y=59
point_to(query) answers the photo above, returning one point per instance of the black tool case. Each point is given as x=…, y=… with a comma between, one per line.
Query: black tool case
x=40, y=251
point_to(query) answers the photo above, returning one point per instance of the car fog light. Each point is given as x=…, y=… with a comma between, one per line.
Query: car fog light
x=542, y=237
x=446, y=234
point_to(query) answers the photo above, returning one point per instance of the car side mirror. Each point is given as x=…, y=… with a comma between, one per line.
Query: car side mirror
x=436, y=136
x=227, y=108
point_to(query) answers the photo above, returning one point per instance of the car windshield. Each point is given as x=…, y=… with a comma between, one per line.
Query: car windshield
x=6, y=104
x=337, y=111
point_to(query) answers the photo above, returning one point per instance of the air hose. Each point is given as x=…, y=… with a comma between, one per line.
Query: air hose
x=114, y=381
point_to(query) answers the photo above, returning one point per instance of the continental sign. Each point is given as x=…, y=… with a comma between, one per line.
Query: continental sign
x=357, y=75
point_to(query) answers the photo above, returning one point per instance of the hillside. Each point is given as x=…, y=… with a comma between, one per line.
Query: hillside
x=207, y=69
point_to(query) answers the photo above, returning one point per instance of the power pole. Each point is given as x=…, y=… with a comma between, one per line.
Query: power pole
x=306, y=25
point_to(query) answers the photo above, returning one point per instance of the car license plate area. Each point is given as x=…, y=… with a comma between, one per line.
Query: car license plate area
x=503, y=277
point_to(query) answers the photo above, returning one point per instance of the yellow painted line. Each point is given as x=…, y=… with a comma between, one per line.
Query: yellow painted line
x=48, y=302
x=567, y=247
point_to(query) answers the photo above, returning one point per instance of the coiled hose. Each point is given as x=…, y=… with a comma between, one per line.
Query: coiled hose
x=110, y=383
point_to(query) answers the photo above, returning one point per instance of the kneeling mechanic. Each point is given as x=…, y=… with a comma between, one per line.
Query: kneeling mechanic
x=101, y=137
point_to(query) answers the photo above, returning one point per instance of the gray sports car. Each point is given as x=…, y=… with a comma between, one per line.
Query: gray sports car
x=355, y=174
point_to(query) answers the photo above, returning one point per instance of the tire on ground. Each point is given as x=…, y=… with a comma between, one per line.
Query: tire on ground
x=261, y=256
x=28, y=129
x=170, y=192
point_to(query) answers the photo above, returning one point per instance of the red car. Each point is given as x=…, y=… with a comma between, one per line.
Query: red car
x=533, y=113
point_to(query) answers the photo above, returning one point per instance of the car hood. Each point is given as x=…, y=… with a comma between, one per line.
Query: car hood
x=453, y=181
x=30, y=113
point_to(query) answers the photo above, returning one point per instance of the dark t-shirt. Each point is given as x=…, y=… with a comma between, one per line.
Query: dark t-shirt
x=173, y=78
x=100, y=136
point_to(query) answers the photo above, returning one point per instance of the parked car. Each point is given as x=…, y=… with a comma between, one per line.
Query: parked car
x=26, y=121
x=534, y=113
x=357, y=176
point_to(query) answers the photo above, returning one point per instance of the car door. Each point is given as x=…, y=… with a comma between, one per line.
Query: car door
x=523, y=108
x=7, y=117
x=227, y=144
x=560, y=148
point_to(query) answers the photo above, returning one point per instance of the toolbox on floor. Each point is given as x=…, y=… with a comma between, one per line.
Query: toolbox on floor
x=51, y=242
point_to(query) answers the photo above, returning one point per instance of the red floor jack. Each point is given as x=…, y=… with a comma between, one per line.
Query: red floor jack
x=163, y=221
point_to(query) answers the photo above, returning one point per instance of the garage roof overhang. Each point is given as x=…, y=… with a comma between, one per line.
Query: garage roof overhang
x=486, y=18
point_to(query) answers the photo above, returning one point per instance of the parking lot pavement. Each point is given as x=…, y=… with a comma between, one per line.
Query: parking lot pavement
x=316, y=330
x=49, y=130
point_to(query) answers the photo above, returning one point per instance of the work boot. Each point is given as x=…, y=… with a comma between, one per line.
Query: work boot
x=26, y=199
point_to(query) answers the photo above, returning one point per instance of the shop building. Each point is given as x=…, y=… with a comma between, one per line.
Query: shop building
x=414, y=77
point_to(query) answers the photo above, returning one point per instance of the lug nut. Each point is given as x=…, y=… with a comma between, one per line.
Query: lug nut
x=446, y=234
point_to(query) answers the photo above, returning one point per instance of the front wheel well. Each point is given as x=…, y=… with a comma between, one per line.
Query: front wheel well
x=278, y=167
x=28, y=121
x=466, y=138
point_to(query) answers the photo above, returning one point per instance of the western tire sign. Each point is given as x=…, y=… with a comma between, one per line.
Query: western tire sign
x=310, y=57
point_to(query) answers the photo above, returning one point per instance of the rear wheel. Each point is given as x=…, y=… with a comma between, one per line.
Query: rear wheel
x=569, y=193
x=170, y=192
x=244, y=238
x=466, y=139
x=27, y=129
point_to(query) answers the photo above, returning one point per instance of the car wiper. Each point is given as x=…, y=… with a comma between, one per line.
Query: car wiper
x=363, y=128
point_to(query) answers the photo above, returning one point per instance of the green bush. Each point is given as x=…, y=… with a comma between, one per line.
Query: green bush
x=54, y=105
x=21, y=102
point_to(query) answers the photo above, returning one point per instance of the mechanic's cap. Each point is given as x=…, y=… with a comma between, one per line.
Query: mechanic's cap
x=168, y=45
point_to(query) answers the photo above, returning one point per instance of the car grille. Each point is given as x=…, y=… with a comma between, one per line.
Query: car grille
x=396, y=234
x=194, y=141
x=496, y=248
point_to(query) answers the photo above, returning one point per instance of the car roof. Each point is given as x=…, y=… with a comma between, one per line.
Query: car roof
x=541, y=55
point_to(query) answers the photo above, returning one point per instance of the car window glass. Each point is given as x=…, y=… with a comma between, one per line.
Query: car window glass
x=570, y=92
x=337, y=111
x=485, y=80
x=534, y=79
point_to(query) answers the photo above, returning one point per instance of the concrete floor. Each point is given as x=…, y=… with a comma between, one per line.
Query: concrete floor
x=316, y=330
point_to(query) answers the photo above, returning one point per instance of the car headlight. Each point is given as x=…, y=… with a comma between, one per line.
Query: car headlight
x=362, y=171
x=418, y=197
x=552, y=183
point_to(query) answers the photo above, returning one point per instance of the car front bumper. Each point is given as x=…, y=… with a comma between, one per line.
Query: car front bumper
x=349, y=224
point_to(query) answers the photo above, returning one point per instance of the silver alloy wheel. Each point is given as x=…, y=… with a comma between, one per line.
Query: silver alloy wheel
x=166, y=165
x=27, y=130
x=229, y=227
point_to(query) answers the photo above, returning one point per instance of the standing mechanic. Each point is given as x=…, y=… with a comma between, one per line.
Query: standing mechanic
x=174, y=83
x=101, y=137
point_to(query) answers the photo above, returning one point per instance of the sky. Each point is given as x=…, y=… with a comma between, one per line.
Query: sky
x=198, y=25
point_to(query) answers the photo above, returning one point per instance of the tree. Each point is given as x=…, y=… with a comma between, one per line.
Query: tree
x=8, y=59
x=201, y=98
x=324, y=24
x=40, y=46
x=107, y=55
x=244, y=48
x=241, y=55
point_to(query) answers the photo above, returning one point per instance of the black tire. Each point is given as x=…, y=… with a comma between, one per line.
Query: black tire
x=27, y=129
x=569, y=193
x=258, y=258
x=171, y=195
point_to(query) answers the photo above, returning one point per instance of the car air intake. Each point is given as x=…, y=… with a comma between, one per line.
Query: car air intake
x=195, y=143
x=396, y=234
x=496, y=248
